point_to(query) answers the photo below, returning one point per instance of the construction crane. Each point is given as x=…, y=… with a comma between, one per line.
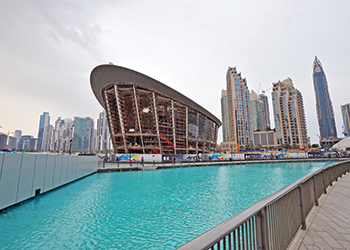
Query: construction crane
x=263, y=91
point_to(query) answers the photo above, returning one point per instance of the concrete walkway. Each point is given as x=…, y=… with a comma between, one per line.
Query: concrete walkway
x=328, y=225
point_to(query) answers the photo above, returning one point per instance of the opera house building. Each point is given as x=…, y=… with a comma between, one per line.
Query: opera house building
x=147, y=117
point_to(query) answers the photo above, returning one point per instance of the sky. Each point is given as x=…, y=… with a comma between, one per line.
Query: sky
x=49, y=48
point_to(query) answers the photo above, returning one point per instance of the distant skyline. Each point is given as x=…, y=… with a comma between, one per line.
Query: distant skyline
x=49, y=49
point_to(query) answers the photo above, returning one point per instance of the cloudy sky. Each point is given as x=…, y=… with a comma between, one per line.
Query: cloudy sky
x=48, y=49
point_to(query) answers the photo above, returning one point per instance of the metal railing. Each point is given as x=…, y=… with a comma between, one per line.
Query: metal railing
x=272, y=222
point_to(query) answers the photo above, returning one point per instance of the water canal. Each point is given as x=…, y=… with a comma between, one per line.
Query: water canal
x=159, y=209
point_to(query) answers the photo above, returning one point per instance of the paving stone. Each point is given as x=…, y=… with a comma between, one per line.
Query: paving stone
x=312, y=234
x=302, y=247
x=329, y=223
x=322, y=244
x=317, y=227
x=308, y=240
x=346, y=236
x=309, y=247
x=330, y=240
x=345, y=244
x=336, y=227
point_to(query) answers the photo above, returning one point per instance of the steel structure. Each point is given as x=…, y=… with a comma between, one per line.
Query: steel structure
x=146, y=116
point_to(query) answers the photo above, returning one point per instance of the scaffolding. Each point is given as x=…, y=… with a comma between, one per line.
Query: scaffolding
x=144, y=121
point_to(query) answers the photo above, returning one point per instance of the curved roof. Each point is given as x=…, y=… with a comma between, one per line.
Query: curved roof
x=103, y=75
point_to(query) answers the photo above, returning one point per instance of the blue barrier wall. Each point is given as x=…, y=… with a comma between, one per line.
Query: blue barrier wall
x=22, y=176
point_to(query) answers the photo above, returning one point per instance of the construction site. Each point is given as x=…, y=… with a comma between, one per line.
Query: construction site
x=148, y=117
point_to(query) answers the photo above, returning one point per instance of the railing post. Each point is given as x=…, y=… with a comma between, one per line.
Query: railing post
x=261, y=230
x=258, y=228
x=324, y=183
x=315, y=189
x=330, y=177
x=303, y=224
x=335, y=173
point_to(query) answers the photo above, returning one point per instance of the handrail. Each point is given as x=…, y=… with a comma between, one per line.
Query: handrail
x=270, y=223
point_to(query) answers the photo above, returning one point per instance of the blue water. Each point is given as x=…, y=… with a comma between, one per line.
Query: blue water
x=159, y=209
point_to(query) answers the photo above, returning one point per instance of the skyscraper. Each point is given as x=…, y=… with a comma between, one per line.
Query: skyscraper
x=265, y=113
x=103, y=140
x=256, y=106
x=3, y=140
x=12, y=142
x=324, y=107
x=289, y=114
x=238, y=109
x=83, y=132
x=345, y=111
x=24, y=142
x=17, y=135
x=42, y=132
x=224, y=115
x=63, y=133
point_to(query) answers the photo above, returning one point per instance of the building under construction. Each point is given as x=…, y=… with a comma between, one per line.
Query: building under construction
x=145, y=116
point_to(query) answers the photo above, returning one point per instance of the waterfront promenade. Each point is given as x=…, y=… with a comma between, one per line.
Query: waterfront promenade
x=328, y=225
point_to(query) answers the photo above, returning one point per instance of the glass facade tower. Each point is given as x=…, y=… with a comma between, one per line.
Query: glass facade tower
x=256, y=106
x=345, y=111
x=224, y=115
x=82, y=136
x=265, y=113
x=42, y=132
x=324, y=106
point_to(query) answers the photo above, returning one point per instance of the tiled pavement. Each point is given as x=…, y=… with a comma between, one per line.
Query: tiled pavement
x=328, y=225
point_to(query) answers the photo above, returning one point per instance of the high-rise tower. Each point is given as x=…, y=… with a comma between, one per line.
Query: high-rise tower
x=256, y=106
x=345, y=111
x=324, y=106
x=83, y=134
x=289, y=114
x=238, y=106
x=224, y=116
x=42, y=132
x=265, y=113
x=103, y=140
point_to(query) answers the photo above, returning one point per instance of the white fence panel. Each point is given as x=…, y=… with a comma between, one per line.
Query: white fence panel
x=26, y=180
x=9, y=179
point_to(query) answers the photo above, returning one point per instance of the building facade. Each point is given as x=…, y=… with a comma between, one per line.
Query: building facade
x=62, y=135
x=266, y=139
x=224, y=116
x=103, y=139
x=239, y=113
x=26, y=142
x=146, y=116
x=289, y=114
x=324, y=106
x=17, y=134
x=42, y=132
x=12, y=142
x=83, y=134
x=345, y=111
x=265, y=113
x=3, y=140
x=256, y=108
